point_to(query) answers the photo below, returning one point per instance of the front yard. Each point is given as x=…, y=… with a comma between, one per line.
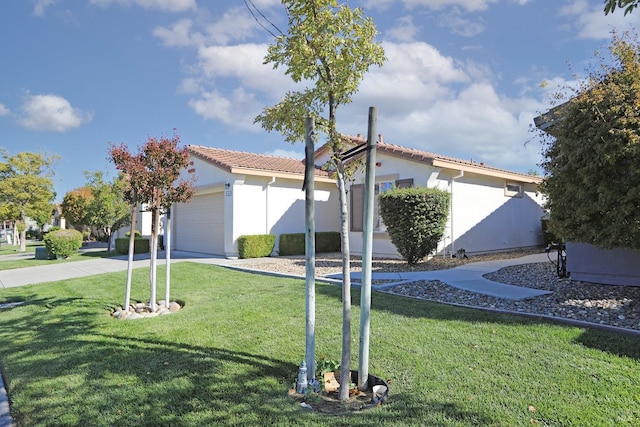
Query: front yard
x=230, y=355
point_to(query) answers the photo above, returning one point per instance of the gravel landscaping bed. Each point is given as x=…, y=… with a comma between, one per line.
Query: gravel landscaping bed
x=606, y=305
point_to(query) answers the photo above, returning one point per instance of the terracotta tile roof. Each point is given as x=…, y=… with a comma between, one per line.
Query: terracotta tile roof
x=232, y=161
x=440, y=161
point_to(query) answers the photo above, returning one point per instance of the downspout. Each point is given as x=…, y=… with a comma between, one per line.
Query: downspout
x=266, y=224
x=453, y=241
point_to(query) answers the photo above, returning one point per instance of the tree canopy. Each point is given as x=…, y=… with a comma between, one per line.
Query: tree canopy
x=107, y=209
x=74, y=206
x=628, y=5
x=592, y=179
x=26, y=187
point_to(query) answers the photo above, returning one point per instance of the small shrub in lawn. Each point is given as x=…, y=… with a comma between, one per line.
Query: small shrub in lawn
x=63, y=243
x=256, y=245
x=140, y=244
x=294, y=243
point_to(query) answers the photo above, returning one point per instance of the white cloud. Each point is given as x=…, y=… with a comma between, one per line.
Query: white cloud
x=289, y=154
x=404, y=31
x=164, y=5
x=4, y=111
x=469, y=5
x=590, y=22
x=179, y=34
x=41, y=5
x=50, y=113
x=432, y=102
x=237, y=110
x=460, y=25
x=235, y=25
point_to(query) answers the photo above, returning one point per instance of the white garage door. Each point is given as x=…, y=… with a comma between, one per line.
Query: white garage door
x=199, y=225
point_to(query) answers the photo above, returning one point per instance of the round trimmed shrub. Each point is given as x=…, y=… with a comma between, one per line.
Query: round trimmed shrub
x=63, y=243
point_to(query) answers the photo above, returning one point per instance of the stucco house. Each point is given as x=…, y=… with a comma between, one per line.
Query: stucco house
x=242, y=193
x=491, y=209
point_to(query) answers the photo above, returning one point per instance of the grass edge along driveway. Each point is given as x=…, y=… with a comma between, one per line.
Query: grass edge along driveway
x=229, y=356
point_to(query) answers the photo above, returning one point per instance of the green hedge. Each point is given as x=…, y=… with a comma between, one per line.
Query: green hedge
x=63, y=243
x=294, y=244
x=256, y=245
x=415, y=220
x=140, y=245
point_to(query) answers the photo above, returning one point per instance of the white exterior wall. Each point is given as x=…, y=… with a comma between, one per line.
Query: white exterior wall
x=263, y=204
x=483, y=219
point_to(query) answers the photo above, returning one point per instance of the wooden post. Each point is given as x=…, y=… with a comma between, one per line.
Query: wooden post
x=310, y=250
x=367, y=251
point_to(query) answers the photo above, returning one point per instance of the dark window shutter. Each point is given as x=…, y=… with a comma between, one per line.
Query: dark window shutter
x=357, y=207
x=404, y=183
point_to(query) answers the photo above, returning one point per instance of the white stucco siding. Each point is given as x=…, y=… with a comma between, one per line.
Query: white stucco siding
x=265, y=206
x=249, y=206
x=199, y=225
x=484, y=219
x=392, y=169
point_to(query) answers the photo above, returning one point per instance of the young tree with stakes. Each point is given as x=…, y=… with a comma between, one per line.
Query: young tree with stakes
x=332, y=46
x=154, y=181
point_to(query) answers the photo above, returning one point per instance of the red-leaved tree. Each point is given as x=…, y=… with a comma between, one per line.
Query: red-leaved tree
x=154, y=180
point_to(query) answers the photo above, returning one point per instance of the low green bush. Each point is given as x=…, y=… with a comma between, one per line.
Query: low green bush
x=415, y=219
x=294, y=243
x=62, y=243
x=256, y=245
x=140, y=245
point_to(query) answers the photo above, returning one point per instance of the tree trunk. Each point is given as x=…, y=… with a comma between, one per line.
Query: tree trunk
x=154, y=258
x=345, y=364
x=167, y=256
x=132, y=237
x=23, y=233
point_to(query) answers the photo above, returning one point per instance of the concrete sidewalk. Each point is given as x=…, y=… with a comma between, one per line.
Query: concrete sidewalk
x=468, y=277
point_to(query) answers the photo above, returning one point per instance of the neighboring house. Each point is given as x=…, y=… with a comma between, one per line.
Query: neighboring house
x=241, y=193
x=491, y=209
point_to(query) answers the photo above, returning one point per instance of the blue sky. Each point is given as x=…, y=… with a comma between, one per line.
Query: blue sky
x=464, y=78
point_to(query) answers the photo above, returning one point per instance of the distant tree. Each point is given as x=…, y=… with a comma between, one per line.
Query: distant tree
x=629, y=5
x=415, y=219
x=591, y=159
x=333, y=46
x=42, y=216
x=107, y=209
x=74, y=206
x=153, y=175
x=26, y=188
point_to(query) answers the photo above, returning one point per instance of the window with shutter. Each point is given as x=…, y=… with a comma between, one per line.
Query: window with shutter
x=357, y=203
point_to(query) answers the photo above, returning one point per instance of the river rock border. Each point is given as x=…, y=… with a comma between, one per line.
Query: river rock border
x=141, y=310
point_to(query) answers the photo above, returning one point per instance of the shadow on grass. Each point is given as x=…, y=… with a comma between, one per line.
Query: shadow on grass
x=68, y=365
x=618, y=343
x=610, y=343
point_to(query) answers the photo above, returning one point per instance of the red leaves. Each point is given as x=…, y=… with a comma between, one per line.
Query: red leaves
x=154, y=172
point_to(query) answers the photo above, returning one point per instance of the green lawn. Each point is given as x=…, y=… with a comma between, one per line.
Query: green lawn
x=31, y=246
x=229, y=356
x=8, y=263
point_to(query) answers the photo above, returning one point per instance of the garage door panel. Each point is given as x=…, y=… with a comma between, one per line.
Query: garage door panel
x=200, y=224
